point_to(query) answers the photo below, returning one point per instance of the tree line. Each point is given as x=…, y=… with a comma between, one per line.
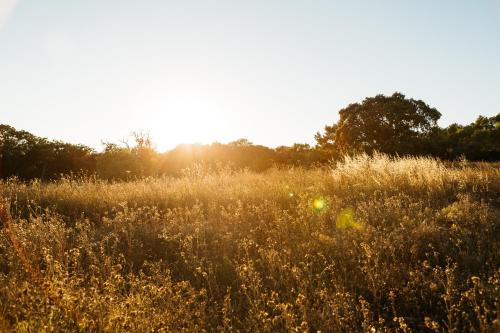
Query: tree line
x=394, y=125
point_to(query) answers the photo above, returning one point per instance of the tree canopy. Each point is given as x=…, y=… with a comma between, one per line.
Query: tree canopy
x=389, y=124
x=27, y=156
x=394, y=125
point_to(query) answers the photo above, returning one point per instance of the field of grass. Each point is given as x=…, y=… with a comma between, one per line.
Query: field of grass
x=370, y=244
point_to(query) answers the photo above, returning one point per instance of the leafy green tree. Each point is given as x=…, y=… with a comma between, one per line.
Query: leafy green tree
x=27, y=156
x=239, y=154
x=388, y=124
x=15, y=150
x=300, y=154
x=145, y=154
x=116, y=162
x=479, y=140
x=241, y=143
x=126, y=162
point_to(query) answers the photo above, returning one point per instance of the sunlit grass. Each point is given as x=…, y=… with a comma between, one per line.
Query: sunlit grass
x=370, y=244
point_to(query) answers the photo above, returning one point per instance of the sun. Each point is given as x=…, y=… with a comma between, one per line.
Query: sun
x=184, y=116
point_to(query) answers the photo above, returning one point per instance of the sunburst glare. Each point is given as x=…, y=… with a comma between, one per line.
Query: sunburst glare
x=319, y=204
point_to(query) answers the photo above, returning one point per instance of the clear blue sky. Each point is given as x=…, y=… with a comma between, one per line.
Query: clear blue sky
x=272, y=71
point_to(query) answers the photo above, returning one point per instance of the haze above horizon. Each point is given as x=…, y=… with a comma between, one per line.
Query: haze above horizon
x=269, y=71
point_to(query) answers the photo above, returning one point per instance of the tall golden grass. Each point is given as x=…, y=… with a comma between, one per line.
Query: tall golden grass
x=373, y=244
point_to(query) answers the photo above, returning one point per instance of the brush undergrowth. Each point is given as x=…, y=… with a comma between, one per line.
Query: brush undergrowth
x=370, y=244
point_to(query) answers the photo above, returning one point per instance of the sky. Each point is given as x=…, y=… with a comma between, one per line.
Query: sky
x=274, y=72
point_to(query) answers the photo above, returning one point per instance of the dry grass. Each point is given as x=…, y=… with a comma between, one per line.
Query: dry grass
x=373, y=244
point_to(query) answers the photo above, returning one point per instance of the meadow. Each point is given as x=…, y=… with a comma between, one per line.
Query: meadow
x=370, y=244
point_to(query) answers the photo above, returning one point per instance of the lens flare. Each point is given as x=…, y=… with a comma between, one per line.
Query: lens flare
x=346, y=220
x=319, y=204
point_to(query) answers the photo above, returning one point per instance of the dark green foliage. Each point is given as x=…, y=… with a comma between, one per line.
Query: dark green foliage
x=392, y=125
x=396, y=125
x=123, y=163
x=477, y=141
x=27, y=156
x=239, y=154
x=302, y=155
